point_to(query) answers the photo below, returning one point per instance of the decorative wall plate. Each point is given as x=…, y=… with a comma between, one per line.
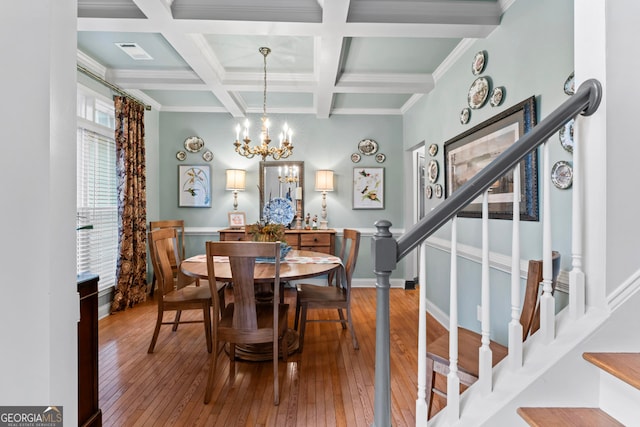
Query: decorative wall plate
x=566, y=136
x=429, y=191
x=562, y=174
x=569, y=85
x=193, y=144
x=380, y=157
x=279, y=211
x=368, y=147
x=433, y=150
x=432, y=171
x=438, y=191
x=207, y=156
x=465, y=115
x=479, y=60
x=496, y=96
x=181, y=155
x=478, y=93
x=355, y=157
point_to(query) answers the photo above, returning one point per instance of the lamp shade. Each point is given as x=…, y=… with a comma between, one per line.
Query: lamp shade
x=324, y=180
x=236, y=179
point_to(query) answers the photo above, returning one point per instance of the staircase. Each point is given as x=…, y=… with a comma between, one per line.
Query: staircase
x=619, y=397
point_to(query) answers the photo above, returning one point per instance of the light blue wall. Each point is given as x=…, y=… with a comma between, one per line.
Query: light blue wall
x=531, y=53
x=320, y=143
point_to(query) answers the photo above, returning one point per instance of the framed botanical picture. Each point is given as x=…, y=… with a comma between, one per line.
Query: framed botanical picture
x=468, y=153
x=194, y=186
x=368, y=188
x=237, y=219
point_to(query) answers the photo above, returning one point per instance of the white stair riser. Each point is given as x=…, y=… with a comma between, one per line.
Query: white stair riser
x=620, y=400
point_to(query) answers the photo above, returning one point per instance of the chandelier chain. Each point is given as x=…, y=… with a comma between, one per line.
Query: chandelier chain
x=265, y=52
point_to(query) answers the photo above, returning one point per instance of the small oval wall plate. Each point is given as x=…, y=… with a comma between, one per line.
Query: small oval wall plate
x=478, y=93
x=438, y=191
x=368, y=147
x=479, y=60
x=569, y=85
x=380, y=157
x=429, y=191
x=465, y=115
x=562, y=174
x=496, y=96
x=207, y=156
x=566, y=136
x=193, y=144
x=432, y=171
x=433, y=150
x=181, y=155
x=355, y=157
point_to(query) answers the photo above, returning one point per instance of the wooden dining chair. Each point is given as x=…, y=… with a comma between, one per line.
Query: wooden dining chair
x=469, y=341
x=246, y=321
x=177, y=255
x=174, y=294
x=337, y=295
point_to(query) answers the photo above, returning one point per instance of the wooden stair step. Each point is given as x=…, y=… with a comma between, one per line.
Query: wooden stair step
x=567, y=417
x=625, y=366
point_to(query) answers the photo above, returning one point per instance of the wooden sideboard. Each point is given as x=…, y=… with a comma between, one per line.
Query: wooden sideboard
x=308, y=240
x=89, y=413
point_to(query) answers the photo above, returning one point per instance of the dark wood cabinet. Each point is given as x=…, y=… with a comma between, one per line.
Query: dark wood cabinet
x=89, y=413
x=307, y=240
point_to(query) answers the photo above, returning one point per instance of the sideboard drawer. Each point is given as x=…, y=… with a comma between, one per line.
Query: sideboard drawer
x=315, y=239
x=324, y=249
x=291, y=240
x=232, y=236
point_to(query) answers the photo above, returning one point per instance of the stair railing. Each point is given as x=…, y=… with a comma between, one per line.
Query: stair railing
x=386, y=252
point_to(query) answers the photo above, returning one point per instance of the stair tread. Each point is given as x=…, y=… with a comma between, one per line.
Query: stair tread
x=625, y=366
x=567, y=417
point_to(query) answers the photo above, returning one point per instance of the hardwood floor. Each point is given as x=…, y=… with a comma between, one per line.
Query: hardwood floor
x=329, y=384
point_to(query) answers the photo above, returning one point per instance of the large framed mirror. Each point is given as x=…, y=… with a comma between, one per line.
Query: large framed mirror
x=282, y=179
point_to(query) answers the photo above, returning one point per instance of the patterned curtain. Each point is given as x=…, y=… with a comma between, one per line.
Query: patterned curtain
x=131, y=270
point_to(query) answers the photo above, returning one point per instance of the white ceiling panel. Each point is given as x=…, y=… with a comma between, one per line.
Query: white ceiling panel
x=328, y=56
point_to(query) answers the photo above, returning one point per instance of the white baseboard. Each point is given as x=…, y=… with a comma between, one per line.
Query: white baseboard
x=371, y=283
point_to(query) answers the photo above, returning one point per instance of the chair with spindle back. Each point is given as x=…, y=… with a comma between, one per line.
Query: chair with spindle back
x=469, y=341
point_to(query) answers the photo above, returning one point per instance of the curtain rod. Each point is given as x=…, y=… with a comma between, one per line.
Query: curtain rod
x=111, y=86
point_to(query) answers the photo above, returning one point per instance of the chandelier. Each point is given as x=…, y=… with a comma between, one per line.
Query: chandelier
x=290, y=174
x=285, y=148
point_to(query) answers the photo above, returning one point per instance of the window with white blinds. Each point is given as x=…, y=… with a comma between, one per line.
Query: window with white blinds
x=97, y=210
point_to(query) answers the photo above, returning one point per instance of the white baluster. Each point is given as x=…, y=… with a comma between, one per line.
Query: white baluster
x=421, y=401
x=453, y=381
x=576, y=276
x=547, y=303
x=485, y=358
x=515, y=327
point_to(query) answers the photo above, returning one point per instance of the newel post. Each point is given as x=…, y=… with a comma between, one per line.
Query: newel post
x=384, y=252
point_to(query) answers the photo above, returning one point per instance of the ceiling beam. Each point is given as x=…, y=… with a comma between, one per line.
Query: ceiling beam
x=199, y=57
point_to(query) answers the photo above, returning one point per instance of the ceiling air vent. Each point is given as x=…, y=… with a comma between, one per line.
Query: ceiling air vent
x=134, y=51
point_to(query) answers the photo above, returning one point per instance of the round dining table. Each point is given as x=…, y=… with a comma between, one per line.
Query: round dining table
x=295, y=266
x=298, y=264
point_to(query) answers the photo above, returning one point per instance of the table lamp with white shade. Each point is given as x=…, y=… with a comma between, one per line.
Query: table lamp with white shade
x=324, y=183
x=236, y=182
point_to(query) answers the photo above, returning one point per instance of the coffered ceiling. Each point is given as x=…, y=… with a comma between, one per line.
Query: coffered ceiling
x=328, y=56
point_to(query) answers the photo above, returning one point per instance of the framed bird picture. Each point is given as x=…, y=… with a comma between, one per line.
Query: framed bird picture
x=368, y=188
